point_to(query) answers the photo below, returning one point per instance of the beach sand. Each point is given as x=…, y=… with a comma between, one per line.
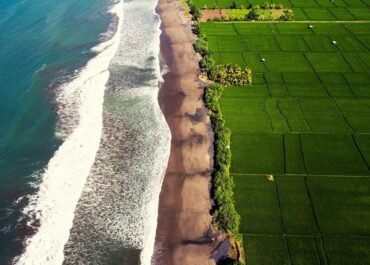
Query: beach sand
x=184, y=234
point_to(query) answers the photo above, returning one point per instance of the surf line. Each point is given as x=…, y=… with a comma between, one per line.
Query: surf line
x=67, y=171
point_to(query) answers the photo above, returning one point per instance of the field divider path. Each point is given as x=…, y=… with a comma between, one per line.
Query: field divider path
x=282, y=222
x=267, y=115
x=344, y=117
x=302, y=153
x=361, y=154
x=316, y=221
x=303, y=115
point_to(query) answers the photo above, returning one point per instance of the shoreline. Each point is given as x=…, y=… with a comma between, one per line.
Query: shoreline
x=184, y=228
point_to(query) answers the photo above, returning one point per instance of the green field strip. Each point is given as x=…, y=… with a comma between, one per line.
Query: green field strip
x=285, y=43
x=355, y=62
x=263, y=194
x=303, y=175
x=320, y=250
x=363, y=143
x=302, y=154
x=344, y=117
x=304, y=117
x=344, y=251
x=308, y=250
x=308, y=235
x=350, y=86
x=301, y=140
x=296, y=210
x=317, y=225
x=266, y=251
x=340, y=91
x=258, y=153
x=360, y=13
x=303, y=251
x=325, y=3
x=334, y=63
x=332, y=154
x=303, y=3
x=282, y=114
x=357, y=113
x=345, y=214
x=365, y=40
x=281, y=215
x=355, y=3
x=341, y=13
x=365, y=158
x=365, y=57
x=318, y=14
x=361, y=91
x=267, y=115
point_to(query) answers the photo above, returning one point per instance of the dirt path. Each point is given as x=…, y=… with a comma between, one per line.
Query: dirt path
x=184, y=222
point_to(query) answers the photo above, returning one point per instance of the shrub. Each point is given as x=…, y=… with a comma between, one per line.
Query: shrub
x=230, y=75
x=225, y=216
x=252, y=15
x=194, y=11
x=201, y=45
x=196, y=29
x=288, y=15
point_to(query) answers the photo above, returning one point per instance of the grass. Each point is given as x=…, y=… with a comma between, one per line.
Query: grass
x=357, y=115
x=296, y=209
x=307, y=90
x=343, y=251
x=294, y=161
x=266, y=250
x=303, y=251
x=260, y=43
x=306, y=121
x=329, y=62
x=332, y=154
x=341, y=204
x=229, y=57
x=279, y=62
x=261, y=191
x=323, y=116
x=292, y=43
x=318, y=14
x=257, y=153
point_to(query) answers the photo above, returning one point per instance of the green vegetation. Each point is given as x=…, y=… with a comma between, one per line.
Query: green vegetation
x=300, y=135
x=225, y=74
x=264, y=12
x=300, y=138
x=225, y=215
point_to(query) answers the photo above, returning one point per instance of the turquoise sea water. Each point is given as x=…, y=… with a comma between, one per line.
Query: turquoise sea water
x=42, y=43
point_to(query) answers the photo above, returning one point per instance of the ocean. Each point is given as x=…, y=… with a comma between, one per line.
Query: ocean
x=83, y=143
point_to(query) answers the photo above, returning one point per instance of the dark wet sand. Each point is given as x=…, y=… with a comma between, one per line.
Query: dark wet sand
x=184, y=235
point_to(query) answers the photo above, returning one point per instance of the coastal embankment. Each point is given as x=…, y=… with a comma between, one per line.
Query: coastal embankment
x=184, y=231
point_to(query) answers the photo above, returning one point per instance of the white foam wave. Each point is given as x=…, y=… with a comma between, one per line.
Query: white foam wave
x=116, y=217
x=153, y=200
x=66, y=173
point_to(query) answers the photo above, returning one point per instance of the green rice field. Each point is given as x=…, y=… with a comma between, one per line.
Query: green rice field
x=326, y=10
x=300, y=136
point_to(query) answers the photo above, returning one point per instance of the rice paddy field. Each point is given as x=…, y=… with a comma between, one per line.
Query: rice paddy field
x=301, y=135
x=306, y=10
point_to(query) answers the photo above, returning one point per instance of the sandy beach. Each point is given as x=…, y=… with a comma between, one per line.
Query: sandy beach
x=184, y=234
